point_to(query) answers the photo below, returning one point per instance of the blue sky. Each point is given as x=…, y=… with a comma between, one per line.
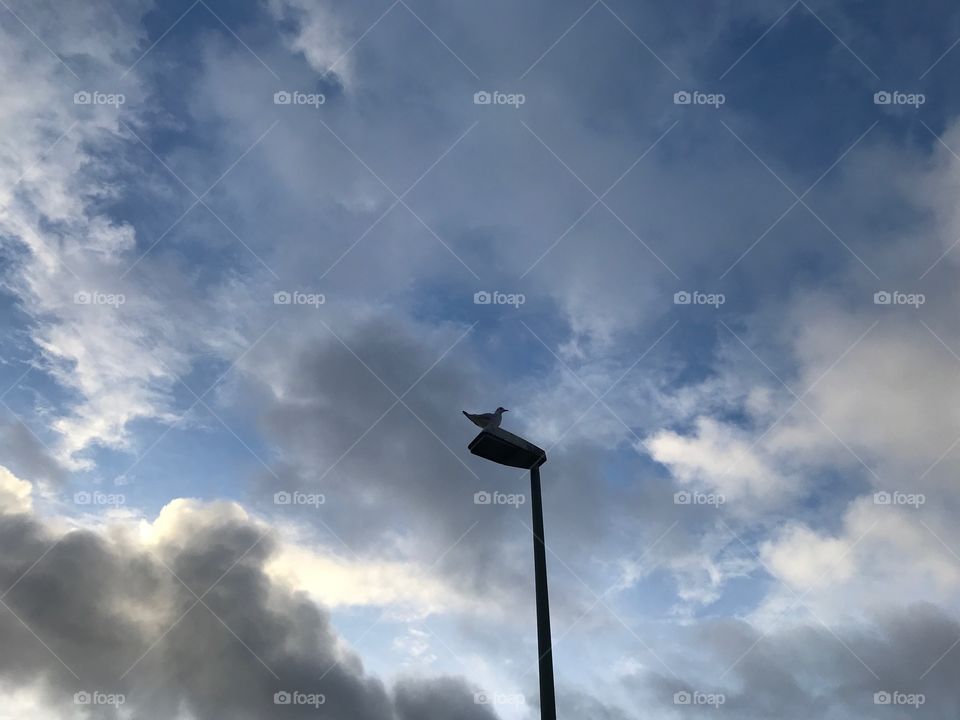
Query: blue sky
x=159, y=197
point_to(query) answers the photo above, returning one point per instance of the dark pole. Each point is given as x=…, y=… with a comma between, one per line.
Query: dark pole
x=548, y=703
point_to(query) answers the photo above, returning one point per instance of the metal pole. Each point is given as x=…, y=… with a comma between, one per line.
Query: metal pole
x=548, y=703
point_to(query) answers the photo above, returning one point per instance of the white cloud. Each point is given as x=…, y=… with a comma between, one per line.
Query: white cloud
x=411, y=589
x=71, y=247
x=720, y=458
x=882, y=556
x=15, y=494
x=319, y=35
x=120, y=361
x=27, y=701
x=806, y=560
x=302, y=564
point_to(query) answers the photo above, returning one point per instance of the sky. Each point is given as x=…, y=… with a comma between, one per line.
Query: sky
x=258, y=255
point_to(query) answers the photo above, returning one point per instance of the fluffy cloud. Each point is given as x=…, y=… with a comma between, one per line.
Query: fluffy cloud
x=718, y=458
x=183, y=620
x=15, y=494
x=797, y=672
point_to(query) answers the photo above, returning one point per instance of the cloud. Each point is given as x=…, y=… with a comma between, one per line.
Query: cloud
x=806, y=560
x=589, y=707
x=354, y=582
x=69, y=249
x=808, y=670
x=719, y=458
x=438, y=699
x=24, y=453
x=15, y=494
x=399, y=484
x=119, y=613
x=397, y=479
x=319, y=35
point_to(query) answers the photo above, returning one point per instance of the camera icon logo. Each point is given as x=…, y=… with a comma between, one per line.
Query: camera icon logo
x=882, y=698
x=282, y=298
x=882, y=498
x=82, y=698
x=682, y=498
x=482, y=298
x=82, y=498
x=882, y=298
x=282, y=498
x=482, y=98
x=282, y=698
x=481, y=698
x=882, y=98
x=682, y=97
x=482, y=498
x=681, y=698
x=82, y=98
x=682, y=298
x=282, y=97
x=81, y=298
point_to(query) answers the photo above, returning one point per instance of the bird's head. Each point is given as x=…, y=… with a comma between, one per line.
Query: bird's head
x=502, y=410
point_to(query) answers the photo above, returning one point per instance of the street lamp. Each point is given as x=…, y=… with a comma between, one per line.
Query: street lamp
x=508, y=449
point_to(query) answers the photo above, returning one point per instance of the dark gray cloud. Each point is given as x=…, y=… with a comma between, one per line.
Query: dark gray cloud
x=416, y=479
x=26, y=456
x=438, y=699
x=115, y=619
x=810, y=671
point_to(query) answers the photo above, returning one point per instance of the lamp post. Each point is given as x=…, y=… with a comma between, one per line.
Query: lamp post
x=508, y=449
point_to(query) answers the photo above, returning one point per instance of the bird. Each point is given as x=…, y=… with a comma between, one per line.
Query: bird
x=486, y=420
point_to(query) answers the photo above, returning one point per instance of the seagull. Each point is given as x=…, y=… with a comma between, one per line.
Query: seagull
x=487, y=420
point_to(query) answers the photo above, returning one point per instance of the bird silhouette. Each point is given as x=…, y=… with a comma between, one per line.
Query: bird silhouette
x=486, y=420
